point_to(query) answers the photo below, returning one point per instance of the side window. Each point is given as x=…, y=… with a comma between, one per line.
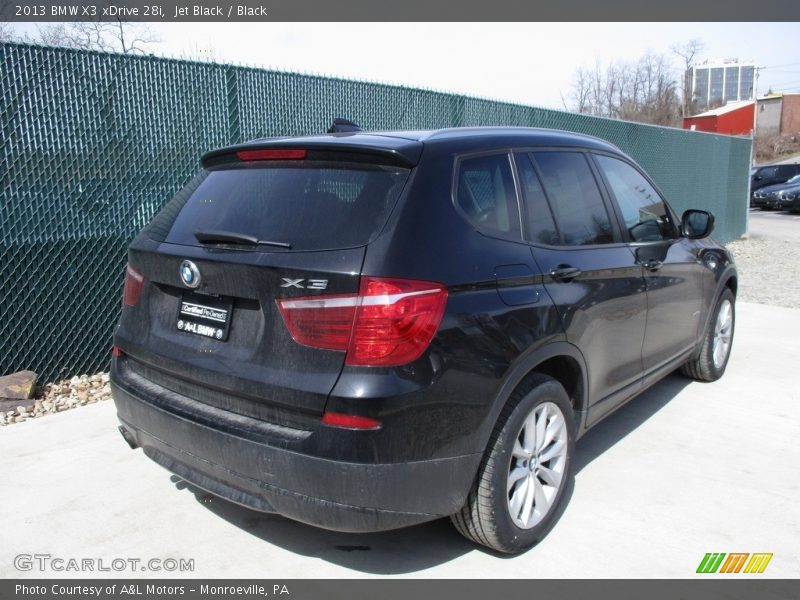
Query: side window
x=541, y=227
x=767, y=173
x=578, y=207
x=644, y=212
x=486, y=195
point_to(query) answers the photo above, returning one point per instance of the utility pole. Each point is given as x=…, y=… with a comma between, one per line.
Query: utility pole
x=755, y=102
x=752, y=150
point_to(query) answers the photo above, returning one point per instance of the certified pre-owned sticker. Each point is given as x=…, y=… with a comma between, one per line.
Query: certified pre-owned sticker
x=209, y=318
x=204, y=312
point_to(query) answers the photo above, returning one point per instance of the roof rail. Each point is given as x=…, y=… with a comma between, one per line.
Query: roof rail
x=343, y=126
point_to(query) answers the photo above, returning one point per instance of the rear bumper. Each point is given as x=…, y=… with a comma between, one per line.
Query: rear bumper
x=337, y=495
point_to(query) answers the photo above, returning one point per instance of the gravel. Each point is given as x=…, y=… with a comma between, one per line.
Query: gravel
x=60, y=396
x=768, y=271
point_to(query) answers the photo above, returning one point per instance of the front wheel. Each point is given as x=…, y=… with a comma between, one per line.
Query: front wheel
x=525, y=471
x=715, y=349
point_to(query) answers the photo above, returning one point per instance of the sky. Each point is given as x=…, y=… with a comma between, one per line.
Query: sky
x=526, y=63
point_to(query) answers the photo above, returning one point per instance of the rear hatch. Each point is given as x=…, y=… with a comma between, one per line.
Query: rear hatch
x=257, y=225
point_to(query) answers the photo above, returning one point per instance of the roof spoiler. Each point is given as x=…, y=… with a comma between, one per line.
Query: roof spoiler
x=343, y=126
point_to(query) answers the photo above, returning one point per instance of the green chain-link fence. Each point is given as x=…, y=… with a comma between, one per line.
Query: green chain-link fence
x=94, y=144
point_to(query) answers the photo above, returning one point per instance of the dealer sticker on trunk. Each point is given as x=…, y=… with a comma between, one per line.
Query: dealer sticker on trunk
x=206, y=317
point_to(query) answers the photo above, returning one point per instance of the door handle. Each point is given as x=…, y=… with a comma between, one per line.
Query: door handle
x=565, y=273
x=652, y=265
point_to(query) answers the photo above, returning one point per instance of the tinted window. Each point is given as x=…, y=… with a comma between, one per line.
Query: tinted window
x=645, y=215
x=578, y=207
x=541, y=227
x=767, y=173
x=310, y=205
x=485, y=193
x=787, y=171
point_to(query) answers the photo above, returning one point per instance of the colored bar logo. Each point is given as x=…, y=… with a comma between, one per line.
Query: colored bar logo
x=719, y=562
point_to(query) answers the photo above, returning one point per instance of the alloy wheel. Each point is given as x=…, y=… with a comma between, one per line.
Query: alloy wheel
x=723, y=334
x=537, y=466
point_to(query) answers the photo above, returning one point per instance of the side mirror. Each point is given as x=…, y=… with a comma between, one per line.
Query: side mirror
x=697, y=224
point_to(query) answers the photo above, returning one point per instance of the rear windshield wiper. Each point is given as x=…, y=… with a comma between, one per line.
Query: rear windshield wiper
x=231, y=237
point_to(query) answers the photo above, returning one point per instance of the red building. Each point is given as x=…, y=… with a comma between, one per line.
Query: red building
x=735, y=118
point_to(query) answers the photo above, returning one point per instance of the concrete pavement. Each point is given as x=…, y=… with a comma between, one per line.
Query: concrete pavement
x=773, y=225
x=685, y=469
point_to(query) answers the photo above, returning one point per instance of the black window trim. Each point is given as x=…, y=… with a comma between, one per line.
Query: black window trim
x=508, y=152
x=615, y=203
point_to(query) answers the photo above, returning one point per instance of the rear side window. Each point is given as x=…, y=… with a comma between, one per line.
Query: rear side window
x=644, y=212
x=577, y=205
x=486, y=195
x=309, y=205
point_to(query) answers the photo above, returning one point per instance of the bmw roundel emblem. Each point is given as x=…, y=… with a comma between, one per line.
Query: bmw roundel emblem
x=190, y=274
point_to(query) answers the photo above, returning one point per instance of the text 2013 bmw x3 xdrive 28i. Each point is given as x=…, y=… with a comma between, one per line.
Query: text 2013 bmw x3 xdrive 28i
x=365, y=331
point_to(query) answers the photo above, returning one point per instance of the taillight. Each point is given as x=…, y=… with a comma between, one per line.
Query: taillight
x=116, y=352
x=133, y=287
x=273, y=154
x=389, y=322
x=395, y=321
x=320, y=322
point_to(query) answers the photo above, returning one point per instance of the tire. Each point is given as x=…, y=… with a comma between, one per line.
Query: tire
x=709, y=365
x=486, y=517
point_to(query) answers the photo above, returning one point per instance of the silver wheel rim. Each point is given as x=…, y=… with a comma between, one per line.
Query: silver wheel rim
x=723, y=334
x=537, y=465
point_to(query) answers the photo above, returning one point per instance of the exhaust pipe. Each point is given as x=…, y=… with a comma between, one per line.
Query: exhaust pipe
x=129, y=437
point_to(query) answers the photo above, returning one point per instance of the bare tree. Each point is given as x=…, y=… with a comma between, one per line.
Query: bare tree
x=108, y=36
x=598, y=91
x=7, y=33
x=581, y=93
x=687, y=52
x=644, y=91
x=659, y=98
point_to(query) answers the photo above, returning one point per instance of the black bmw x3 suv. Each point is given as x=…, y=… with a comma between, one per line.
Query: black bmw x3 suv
x=364, y=331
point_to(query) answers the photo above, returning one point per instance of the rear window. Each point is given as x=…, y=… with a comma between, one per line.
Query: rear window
x=309, y=205
x=486, y=194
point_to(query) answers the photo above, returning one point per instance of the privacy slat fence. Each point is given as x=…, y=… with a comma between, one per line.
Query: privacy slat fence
x=93, y=144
